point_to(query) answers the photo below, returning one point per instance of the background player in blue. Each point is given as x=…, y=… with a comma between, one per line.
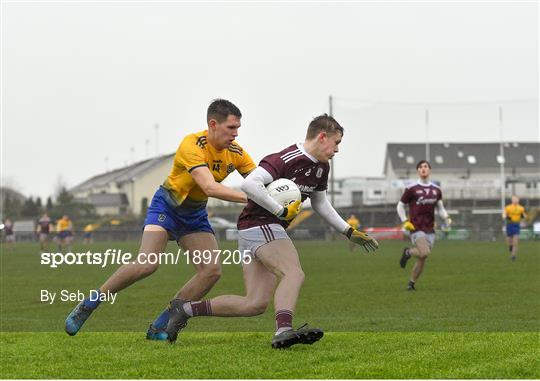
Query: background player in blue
x=178, y=211
x=262, y=235
x=513, y=214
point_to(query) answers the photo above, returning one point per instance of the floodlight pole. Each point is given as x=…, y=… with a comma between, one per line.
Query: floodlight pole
x=502, y=158
x=332, y=194
x=156, y=126
x=427, y=132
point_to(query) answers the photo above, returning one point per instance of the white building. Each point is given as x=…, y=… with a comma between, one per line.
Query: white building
x=125, y=190
x=464, y=171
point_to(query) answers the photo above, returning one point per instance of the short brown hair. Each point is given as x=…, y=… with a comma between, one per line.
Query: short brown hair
x=324, y=123
x=422, y=162
x=220, y=109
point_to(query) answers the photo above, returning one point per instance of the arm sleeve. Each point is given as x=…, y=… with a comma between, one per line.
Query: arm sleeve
x=322, y=206
x=254, y=186
x=442, y=211
x=401, y=211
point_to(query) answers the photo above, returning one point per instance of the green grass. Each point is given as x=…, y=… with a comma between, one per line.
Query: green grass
x=475, y=315
x=248, y=355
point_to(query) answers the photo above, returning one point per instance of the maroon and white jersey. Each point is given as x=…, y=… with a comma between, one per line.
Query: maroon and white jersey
x=44, y=224
x=422, y=200
x=292, y=163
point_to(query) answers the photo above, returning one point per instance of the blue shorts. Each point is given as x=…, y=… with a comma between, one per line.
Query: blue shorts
x=177, y=220
x=512, y=229
x=64, y=234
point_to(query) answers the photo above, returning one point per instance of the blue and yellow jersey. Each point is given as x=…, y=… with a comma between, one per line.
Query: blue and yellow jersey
x=89, y=228
x=193, y=152
x=514, y=213
x=353, y=222
x=64, y=225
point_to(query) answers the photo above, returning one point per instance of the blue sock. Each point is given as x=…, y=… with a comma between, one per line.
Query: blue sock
x=162, y=320
x=93, y=304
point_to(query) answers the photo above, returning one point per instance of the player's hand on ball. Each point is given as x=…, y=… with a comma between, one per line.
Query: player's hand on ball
x=448, y=221
x=407, y=225
x=290, y=211
x=366, y=241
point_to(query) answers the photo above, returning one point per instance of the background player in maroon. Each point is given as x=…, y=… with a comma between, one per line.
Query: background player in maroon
x=422, y=198
x=44, y=228
x=262, y=235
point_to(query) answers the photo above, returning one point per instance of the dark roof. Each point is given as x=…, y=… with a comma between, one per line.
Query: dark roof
x=108, y=199
x=525, y=156
x=121, y=175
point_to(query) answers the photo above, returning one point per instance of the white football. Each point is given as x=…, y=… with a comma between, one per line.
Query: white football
x=284, y=191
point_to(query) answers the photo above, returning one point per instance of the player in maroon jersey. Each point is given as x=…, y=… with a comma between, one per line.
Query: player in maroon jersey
x=44, y=228
x=262, y=236
x=422, y=198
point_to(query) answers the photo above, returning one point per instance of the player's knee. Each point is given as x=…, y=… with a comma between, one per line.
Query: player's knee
x=211, y=273
x=147, y=269
x=424, y=253
x=298, y=274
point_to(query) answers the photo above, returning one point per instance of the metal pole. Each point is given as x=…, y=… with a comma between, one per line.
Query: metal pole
x=332, y=193
x=502, y=159
x=156, y=126
x=427, y=133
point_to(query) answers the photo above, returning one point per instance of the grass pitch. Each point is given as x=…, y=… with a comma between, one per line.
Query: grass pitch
x=475, y=315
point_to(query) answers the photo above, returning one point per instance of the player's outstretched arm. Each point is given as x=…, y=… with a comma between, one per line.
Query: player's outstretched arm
x=204, y=179
x=255, y=187
x=443, y=213
x=322, y=206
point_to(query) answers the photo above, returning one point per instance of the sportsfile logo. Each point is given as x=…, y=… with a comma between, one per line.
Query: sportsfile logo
x=109, y=257
x=118, y=257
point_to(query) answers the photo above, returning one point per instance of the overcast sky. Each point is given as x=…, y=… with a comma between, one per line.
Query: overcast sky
x=86, y=81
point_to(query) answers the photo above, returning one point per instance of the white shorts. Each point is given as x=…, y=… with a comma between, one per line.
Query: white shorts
x=430, y=238
x=249, y=240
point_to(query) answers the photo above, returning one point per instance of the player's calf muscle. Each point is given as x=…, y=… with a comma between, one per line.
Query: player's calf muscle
x=256, y=307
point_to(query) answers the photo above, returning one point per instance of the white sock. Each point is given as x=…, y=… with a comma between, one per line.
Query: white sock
x=282, y=329
x=188, y=309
